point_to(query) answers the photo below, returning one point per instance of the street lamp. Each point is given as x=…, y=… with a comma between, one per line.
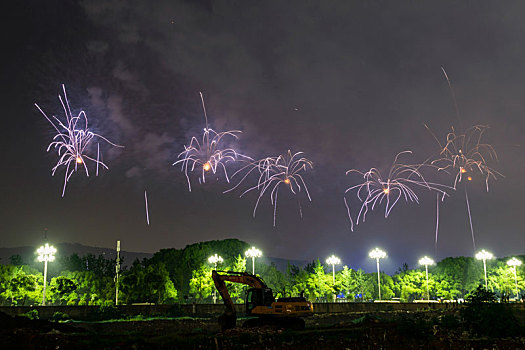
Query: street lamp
x=514, y=263
x=377, y=254
x=333, y=260
x=253, y=253
x=117, y=271
x=45, y=254
x=484, y=255
x=215, y=259
x=426, y=261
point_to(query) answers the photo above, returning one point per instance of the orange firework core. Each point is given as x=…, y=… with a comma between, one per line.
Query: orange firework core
x=206, y=166
x=386, y=191
x=469, y=178
x=463, y=170
x=287, y=181
x=79, y=160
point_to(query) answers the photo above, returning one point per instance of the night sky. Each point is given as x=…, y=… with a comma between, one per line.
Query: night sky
x=350, y=83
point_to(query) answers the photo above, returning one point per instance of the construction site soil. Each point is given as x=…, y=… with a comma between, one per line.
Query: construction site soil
x=380, y=330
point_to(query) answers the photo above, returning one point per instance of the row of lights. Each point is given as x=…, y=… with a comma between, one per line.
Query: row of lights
x=47, y=253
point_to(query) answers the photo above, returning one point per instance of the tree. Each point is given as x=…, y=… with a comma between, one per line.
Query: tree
x=201, y=283
x=61, y=287
x=411, y=284
x=317, y=285
x=22, y=288
x=16, y=260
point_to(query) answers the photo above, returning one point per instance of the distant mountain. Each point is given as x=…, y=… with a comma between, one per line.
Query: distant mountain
x=67, y=249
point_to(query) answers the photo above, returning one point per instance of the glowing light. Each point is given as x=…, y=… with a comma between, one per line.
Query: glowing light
x=514, y=262
x=253, y=253
x=215, y=259
x=469, y=178
x=45, y=253
x=377, y=254
x=484, y=255
x=272, y=172
x=72, y=141
x=211, y=152
x=333, y=260
x=398, y=184
x=426, y=261
x=462, y=170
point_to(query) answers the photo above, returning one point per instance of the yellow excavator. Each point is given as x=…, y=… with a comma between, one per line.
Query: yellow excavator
x=260, y=302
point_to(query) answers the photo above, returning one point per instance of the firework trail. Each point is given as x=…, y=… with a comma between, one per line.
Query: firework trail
x=72, y=140
x=377, y=189
x=147, y=210
x=285, y=170
x=209, y=154
x=464, y=156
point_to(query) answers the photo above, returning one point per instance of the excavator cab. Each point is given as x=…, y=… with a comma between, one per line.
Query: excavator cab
x=258, y=297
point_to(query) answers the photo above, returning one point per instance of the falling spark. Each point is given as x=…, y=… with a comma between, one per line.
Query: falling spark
x=465, y=153
x=72, y=140
x=210, y=153
x=274, y=171
x=147, y=210
x=398, y=184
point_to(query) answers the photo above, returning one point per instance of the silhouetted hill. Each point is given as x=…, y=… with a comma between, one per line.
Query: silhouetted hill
x=67, y=249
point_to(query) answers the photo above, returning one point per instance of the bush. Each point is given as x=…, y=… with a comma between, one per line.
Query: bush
x=484, y=316
x=60, y=316
x=32, y=315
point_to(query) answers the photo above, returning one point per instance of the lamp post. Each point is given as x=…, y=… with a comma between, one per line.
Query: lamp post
x=215, y=259
x=253, y=253
x=484, y=255
x=117, y=271
x=514, y=263
x=333, y=260
x=377, y=254
x=45, y=254
x=426, y=261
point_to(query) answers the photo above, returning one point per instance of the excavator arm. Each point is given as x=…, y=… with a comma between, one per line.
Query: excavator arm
x=229, y=318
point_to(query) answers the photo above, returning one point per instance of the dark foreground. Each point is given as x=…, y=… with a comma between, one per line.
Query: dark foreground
x=385, y=330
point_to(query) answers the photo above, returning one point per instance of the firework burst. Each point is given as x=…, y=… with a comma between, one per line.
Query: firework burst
x=398, y=184
x=209, y=154
x=465, y=154
x=273, y=172
x=72, y=141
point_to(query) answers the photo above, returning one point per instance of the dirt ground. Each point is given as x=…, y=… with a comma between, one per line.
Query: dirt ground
x=385, y=330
